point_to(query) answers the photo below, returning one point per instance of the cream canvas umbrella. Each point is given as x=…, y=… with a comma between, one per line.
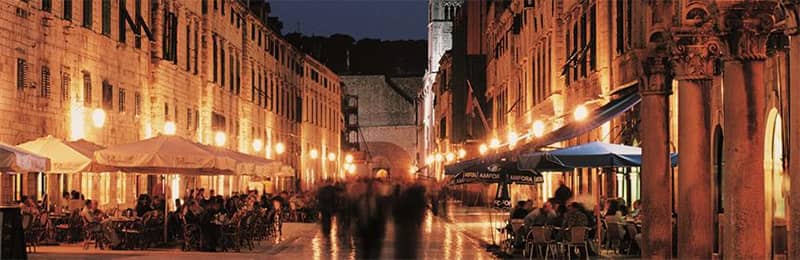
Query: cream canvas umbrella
x=15, y=159
x=246, y=164
x=165, y=155
x=65, y=157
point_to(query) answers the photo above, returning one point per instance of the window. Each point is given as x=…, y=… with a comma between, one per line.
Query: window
x=87, y=89
x=67, y=15
x=45, y=90
x=196, y=46
x=204, y=6
x=170, y=37
x=137, y=103
x=189, y=118
x=108, y=95
x=107, y=17
x=238, y=76
x=231, y=72
x=214, y=55
x=87, y=14
x=188, y=47
x=65, y=85
x=222, y=66
x=22, y=74
x=121, y=98
x=47, y=5
x=593, y=43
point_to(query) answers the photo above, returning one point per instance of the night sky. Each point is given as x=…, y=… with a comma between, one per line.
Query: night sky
x=382, y=19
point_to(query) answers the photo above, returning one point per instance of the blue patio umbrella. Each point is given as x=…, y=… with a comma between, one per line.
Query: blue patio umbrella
x=590, y=155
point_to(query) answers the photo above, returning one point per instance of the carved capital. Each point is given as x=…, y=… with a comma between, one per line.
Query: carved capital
x=656, y=73
x=695, y=55
x=748, y=26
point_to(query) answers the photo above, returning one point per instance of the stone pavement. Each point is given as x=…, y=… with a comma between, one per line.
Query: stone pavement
x=440, y=240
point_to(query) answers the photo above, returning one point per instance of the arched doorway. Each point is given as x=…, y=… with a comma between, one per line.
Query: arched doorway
x=777, y=180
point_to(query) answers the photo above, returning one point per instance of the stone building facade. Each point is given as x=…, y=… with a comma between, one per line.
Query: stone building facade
x=387, y=121
x=214, y=68
x=716, y=86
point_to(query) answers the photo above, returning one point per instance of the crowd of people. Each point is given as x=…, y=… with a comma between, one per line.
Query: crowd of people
x=562, y=212
x=364, y=207
x=207, y=211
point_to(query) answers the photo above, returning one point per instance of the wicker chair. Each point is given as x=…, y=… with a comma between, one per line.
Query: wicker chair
x=93, y=233
x=576, y=240
x=538, y=237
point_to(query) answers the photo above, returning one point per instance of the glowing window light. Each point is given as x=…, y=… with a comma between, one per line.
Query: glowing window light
x=169, y=128
x=314, y=154
x=538, y=128
x=219, y=138
x=99, y=117
x=581, y=112
x=331, y=157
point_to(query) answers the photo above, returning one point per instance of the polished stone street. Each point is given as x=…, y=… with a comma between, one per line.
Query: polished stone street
x=440, y=240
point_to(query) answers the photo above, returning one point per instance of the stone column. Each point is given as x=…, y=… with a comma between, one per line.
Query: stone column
x=747, y=220
x=694, y=58
x=656, y=188
x=793, y=119
x=794, y=148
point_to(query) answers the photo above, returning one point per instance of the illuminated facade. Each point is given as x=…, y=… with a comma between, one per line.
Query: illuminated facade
x=716, y=87
x=212, y=71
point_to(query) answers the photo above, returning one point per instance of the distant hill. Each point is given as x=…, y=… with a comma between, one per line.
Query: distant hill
x=347, y=56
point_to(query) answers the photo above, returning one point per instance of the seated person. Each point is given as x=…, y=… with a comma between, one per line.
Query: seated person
x=541, y=216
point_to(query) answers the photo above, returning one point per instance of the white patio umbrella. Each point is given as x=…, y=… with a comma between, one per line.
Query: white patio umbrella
x=65, y=157
x=15, y=159
x=166, y=155
x=246, y=164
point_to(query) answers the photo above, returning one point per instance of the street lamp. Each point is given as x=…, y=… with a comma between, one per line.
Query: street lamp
x=429, y=160
x=581, y=112
x=219, y=138
x=538, y=128
x=280, y=148
x=313, y=153
x=331, y=157
x=439, y=157
x=169, y=128
x=257, y=145
x=98, y=117
x=462, y=153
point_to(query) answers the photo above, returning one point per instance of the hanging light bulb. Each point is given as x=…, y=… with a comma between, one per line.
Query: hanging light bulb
x=581, y=112
x=494, y=143
x=219, y=138
x=313, y=153
x=462, y=153
x=280, y=148
x=512, y=138
x=450, y=156
x=538, y=128
x=483, y=149
x=98, y=117
x=331, y=157
x=257, y=145
x=169, y=128
x=348, y=158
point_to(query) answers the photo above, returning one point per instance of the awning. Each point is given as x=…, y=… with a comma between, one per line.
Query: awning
x=65, y=157
x=15, y=159
x=165, y=155
x=595, y=119
x=590, y=155
x=570, y=130
x=500, y=172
